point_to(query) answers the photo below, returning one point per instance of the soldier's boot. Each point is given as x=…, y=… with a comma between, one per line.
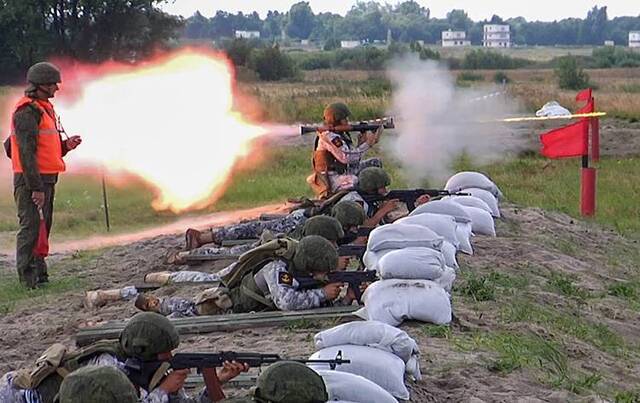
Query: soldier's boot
x=195, y=239
x=176, y=257
x=98, y=298
x=161, y=277
x=41, y=270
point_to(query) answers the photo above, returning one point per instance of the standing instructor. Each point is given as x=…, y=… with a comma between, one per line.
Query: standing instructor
x=37, y=149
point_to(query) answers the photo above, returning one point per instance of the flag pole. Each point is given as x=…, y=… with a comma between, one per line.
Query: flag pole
x=105, y=201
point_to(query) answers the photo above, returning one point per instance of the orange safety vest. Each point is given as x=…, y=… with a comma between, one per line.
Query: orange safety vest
x=49, y=146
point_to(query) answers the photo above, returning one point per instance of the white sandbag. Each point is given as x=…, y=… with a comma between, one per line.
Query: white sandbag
x=371, y=258
x=443, y=225
x=482, y=223
x=369, y=333
x=464, y=233
x=393, y=301
x=446, y=207
x=412, y=263
x=469, y=179
x=398, y=236
x=486, y=197
x=381, y=367
x=346, y=387
x=470, y=201
x=449, y=253
x=446, y=279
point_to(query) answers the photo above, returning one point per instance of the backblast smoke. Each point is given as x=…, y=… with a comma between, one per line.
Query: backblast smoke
x=437, y=122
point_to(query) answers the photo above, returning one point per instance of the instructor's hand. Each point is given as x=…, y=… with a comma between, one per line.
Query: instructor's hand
x=332, y=290
x=38, y=198
x=174, y=381
x=73, y=142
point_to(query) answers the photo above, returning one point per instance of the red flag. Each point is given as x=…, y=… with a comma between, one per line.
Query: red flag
x=42, y=244
x=584, y=95
x=567, y=141
x=588, y=108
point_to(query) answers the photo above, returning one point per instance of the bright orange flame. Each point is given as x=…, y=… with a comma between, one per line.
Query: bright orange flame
x=169, y=121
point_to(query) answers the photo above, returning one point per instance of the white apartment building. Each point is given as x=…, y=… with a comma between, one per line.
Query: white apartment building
x=247, y=34
x=496, y=36
x=634, y=39
x=454, y=38
x=609, y=43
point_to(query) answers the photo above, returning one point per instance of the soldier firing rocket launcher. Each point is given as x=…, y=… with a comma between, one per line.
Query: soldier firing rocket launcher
x=363, y=126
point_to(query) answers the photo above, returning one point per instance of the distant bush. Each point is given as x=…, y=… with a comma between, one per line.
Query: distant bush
x=239, y=50
x=467, y=76
x=331, y=44
x=501, y=77
x=315, y=60
x=570, y=75
x=488, y=60
x=610, y=56
x=271, y=64
x=362, y=58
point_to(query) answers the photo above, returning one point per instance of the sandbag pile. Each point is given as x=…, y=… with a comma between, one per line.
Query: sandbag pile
x=415, y=259
x=379, y=353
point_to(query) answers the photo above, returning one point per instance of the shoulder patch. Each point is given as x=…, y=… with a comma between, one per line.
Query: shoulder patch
x=337, y=142
x=285, y=278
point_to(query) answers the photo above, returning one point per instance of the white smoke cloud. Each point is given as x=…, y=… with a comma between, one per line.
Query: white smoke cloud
x=437, y=121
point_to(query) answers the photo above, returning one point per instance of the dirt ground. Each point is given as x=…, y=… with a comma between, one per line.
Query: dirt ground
x=554, y=280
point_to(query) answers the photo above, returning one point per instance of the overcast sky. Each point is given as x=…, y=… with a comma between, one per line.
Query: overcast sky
x=542, y=10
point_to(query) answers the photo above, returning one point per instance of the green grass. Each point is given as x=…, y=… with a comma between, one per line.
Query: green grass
x=486, y=287
x=569, y=323
x=564, y=285
x=13, y=293
x=437, y=331
x=555, y=185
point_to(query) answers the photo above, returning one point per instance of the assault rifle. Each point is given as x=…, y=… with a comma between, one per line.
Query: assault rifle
x=352, y=250
x=354, y=278
x=369, y=125
x=149, y=373
x=409, y=196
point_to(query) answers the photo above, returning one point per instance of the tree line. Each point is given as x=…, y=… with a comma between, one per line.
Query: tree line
x=85, y=30
x=408, y=21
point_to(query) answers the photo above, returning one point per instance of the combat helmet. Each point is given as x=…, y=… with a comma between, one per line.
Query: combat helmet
x=349, y=213
x=43, y=73
x=325, y=226
x=290, y=382
x=335, y=112
x=102, y=384
x=314, y=254
x=373, y=178
x=147, y=334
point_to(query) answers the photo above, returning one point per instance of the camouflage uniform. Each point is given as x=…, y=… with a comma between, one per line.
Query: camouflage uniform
x=341, y=148
x=275, y=282
x=11, y=394
x=253, y=229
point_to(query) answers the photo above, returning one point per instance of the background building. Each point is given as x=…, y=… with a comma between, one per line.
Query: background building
x=247, y=34
x=496, y=36
x=454, y=38
x=634, y=39
x=349, y=44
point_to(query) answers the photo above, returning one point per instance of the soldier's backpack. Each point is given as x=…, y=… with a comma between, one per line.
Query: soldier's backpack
x=56, y=363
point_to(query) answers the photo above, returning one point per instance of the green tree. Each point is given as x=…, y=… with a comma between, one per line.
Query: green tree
x=300, y=21
x=459, y=20
x=271, y=64
x=570, y=75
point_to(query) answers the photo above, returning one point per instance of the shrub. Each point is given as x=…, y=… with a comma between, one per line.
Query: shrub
x=331, y=44
x=363, y=58
x=467, y=76
x=615, y=57
x=501, y=77
x=239, y=50
x=271, y=64
x=315, y=60
x=570, y=75
x=428, y=53
x=489, y=60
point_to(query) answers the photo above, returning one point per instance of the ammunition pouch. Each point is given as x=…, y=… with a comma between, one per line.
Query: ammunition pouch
x=49, y=363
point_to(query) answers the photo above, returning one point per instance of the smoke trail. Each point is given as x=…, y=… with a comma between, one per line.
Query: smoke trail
x=437, y=121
